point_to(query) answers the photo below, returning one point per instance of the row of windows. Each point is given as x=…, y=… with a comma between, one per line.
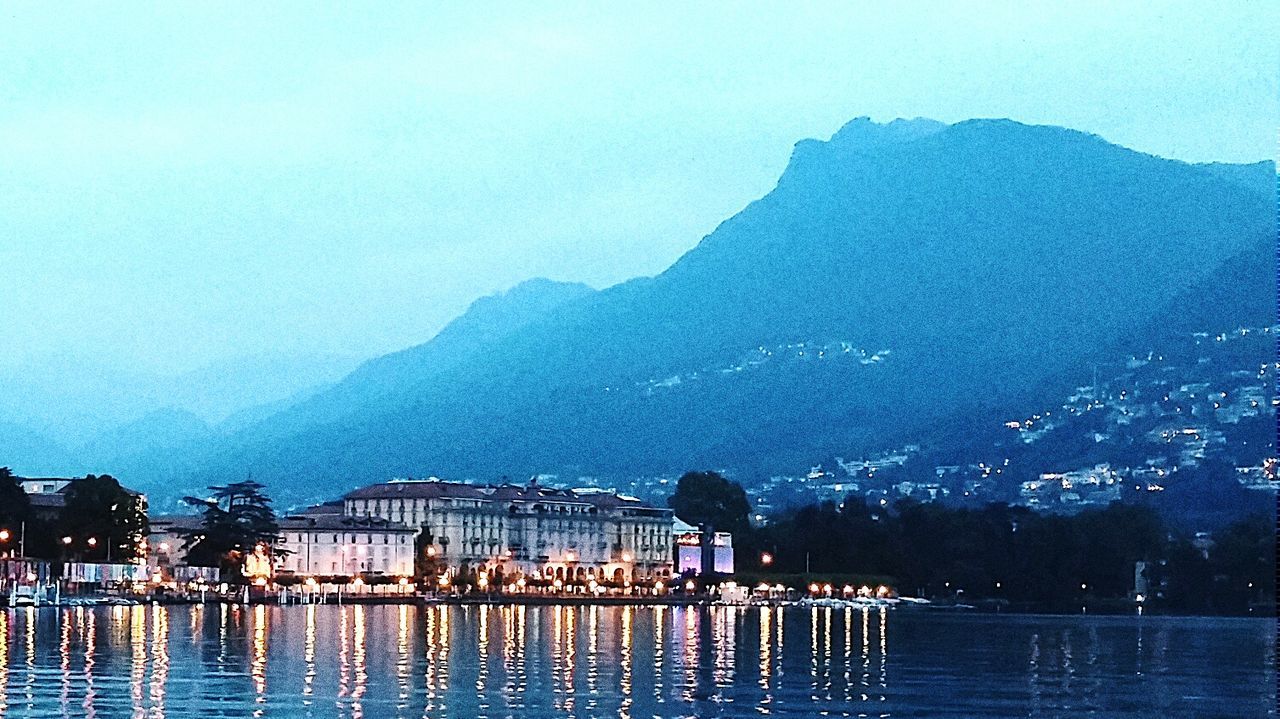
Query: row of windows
x=309, y=538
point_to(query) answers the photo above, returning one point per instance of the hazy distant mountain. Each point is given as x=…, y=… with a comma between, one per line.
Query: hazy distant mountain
x=72, y=415
x=29, y=452
x=382, y=384
x=897, y=274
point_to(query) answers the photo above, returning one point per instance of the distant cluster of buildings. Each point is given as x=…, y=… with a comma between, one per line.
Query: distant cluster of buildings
x=1150, y=418
x=508, y=530
x=406, y=527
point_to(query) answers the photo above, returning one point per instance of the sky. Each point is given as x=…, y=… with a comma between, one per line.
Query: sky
x=184, y=184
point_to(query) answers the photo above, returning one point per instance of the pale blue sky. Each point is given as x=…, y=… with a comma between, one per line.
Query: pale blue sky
x=189, y=183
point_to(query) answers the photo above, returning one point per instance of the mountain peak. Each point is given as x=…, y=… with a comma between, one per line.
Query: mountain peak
x=865, y=133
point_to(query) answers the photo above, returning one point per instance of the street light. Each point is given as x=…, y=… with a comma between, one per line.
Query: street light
x=66, y=540
x=4, y=535
x=93, y=541
x=766, y=559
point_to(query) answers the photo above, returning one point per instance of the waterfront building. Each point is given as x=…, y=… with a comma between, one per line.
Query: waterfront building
x=689, y=550
x=321, y=541
x=167, y=538
x=531, y=531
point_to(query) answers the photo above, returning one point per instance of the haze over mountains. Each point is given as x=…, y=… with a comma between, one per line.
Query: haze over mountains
x=900, y=275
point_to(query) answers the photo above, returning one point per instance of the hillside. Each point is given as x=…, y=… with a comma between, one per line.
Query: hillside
x=897, y=275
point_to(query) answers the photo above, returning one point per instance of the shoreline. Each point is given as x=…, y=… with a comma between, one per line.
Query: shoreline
x=681, y=601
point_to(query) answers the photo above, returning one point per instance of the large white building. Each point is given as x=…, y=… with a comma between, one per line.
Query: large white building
x=322, y=542
x=526, y=530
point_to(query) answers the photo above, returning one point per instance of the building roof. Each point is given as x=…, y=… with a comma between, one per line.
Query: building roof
x=417, y=489
x=67, y=483
x=436, y=489
x=165, y=522
x=317, y=510
x=339, y=523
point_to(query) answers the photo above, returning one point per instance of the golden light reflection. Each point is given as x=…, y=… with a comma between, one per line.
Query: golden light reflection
x=814, y=621
x=64, y=656
x=659, y=648
x=521, y=643
x=443, y=679
x=884, y=652
x=402, y=656
x=570, y=655
x=557, y=653
x=689, y=655
x=29, y=633
x=224, y=611
x=90, y=649
x=482, y=660
x=196, y=617
x=358, y=658
x=160, y=658
x=258, y=664
x=866, y=653
x=309, y=656
x=593, y=647
x=848, y=653
x=723, y=640
x=624, y=679
x=827, y=613
x=766, y=654
x=431, y=664
x=4, y=662
x=138, y=665
x=509, y=650
x=344, y=657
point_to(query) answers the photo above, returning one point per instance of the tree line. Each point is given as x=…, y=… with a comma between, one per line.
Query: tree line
x=1007, y=554
x=99, y=521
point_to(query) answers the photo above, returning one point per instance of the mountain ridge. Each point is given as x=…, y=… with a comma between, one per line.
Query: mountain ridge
x=860, y=240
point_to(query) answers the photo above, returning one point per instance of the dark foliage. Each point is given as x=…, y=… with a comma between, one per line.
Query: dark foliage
x=103, y=520
x=238, y=519
x=1022, y=556
x=706, y=498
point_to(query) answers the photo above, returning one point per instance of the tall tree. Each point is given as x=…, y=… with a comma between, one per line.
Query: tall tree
x=706, y=498
x=15, y=507
x=238, y=520
x=103, y=519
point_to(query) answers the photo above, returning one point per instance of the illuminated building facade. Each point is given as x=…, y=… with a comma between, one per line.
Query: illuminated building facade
x=570, y=535
x=327, y=544
x=689, y=550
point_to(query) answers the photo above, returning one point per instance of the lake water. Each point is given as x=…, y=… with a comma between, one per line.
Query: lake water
x=581, y=661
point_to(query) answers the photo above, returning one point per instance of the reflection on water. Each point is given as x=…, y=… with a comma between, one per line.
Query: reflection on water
x=584, y=661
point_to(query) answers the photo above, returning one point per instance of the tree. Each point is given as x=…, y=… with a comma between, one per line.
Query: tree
x=238, y=521
x=103, y=519
x=15, y=507
x=708, y=499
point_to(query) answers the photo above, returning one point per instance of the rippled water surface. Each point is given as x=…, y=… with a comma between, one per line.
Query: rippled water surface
x=403, y=661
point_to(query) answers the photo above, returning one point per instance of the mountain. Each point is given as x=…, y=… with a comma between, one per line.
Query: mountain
x=75, y=415
x=896, y=275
